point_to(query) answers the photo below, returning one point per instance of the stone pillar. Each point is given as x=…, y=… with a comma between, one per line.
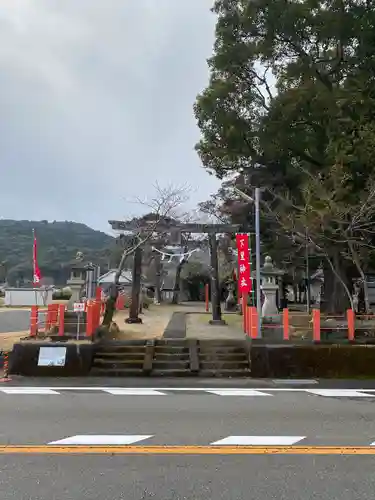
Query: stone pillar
x=271, y=318
x=76, y=283
x=269, y=308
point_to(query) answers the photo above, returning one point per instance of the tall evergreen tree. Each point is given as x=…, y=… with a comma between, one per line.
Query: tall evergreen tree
x=290, y=103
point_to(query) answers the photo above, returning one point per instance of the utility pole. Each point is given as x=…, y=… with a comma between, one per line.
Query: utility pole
x=257, y=260
x=256, y=201
x=307, y=275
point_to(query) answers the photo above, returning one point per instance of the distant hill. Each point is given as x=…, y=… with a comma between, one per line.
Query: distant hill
x=58, y=243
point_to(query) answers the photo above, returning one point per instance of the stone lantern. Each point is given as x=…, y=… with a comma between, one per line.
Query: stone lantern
x=270, y=285
x=83, y=277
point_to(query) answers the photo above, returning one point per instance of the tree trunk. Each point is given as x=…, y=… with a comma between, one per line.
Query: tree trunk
x=158, y=270
x=335, y=299
x=136, y=288
x=295, y=293
x=110, y=305
x=215, y=285
x=361, y=273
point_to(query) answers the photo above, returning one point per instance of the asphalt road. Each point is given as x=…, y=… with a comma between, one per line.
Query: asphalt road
x=186, y=478
x=186, y=418
x=14, y=320
x=171, y=418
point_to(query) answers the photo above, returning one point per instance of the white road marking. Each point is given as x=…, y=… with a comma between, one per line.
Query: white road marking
x=167, y=389
x=102, y=439
x=134, y=392
x=340, y=393
x=294, y=381
x=259, y=440
x=171, y=390
x=238, y=392
x=29, y=391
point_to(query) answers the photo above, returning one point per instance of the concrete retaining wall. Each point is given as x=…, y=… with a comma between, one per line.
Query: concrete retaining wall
x=312, y=361
x=276, y=360
x=24, y=360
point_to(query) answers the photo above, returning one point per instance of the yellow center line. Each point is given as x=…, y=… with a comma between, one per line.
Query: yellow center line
x=186, y=450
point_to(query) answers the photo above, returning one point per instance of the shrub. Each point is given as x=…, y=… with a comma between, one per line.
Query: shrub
x=62, y=294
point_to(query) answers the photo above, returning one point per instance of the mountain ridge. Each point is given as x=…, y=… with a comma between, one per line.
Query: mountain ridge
x=58, y=243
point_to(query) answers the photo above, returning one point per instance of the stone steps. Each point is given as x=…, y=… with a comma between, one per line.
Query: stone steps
x=225, y=358
x=173, y=358
x=120, y=359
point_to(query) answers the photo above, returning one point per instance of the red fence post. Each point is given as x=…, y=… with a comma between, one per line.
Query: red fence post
x=98, y=293
x=249, y=319
x=254, y=322
x=207, y=296
x=49, y=316
x=245, y=313
x=120, y=303
x=350, y=316
x=61, y=319
x=316, y=324
x=89, y=320
x=54, y=314
x=34, y=321
x=286, y=324
x=96, y=314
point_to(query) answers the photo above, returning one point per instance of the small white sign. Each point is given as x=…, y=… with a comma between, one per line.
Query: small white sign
x=52, y=356
x=78, y=306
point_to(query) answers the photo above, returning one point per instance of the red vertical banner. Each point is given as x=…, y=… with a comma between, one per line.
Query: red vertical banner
x=36, y=271
x=244, y=272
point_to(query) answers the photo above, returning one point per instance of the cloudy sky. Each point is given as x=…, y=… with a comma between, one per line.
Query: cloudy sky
x=96, y=104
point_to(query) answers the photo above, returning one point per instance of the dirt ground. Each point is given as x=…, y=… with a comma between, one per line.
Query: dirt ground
x=7, y=340
x=197, y=326
x=154, y=322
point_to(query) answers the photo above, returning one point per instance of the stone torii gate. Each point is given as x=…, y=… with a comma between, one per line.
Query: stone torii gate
x=175, y=229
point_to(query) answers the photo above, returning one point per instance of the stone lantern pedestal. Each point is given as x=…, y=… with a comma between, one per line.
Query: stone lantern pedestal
x=81, y=281
x=230, y=302
x=271, y=318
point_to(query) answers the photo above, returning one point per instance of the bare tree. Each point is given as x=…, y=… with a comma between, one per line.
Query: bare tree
x=334, y=228
x=163, y=206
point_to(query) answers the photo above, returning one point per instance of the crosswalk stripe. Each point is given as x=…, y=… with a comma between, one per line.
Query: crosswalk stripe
x=102, y=439
x=339, y=393
x=134, y=392
x=30, y=391
x=238, y=392
x=258, y=440
x=174, y=391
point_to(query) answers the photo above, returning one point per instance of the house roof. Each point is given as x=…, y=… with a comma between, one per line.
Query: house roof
x=125, y=278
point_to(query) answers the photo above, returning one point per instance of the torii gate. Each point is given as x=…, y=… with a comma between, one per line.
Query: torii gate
x=195, y=228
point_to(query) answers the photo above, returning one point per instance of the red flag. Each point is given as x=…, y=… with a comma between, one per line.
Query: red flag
x=36, y=271
x=244, y=278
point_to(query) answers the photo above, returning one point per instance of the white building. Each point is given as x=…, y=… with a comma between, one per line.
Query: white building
x=28, y=296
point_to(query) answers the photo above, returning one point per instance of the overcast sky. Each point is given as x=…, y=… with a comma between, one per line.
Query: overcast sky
x=96, y=104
